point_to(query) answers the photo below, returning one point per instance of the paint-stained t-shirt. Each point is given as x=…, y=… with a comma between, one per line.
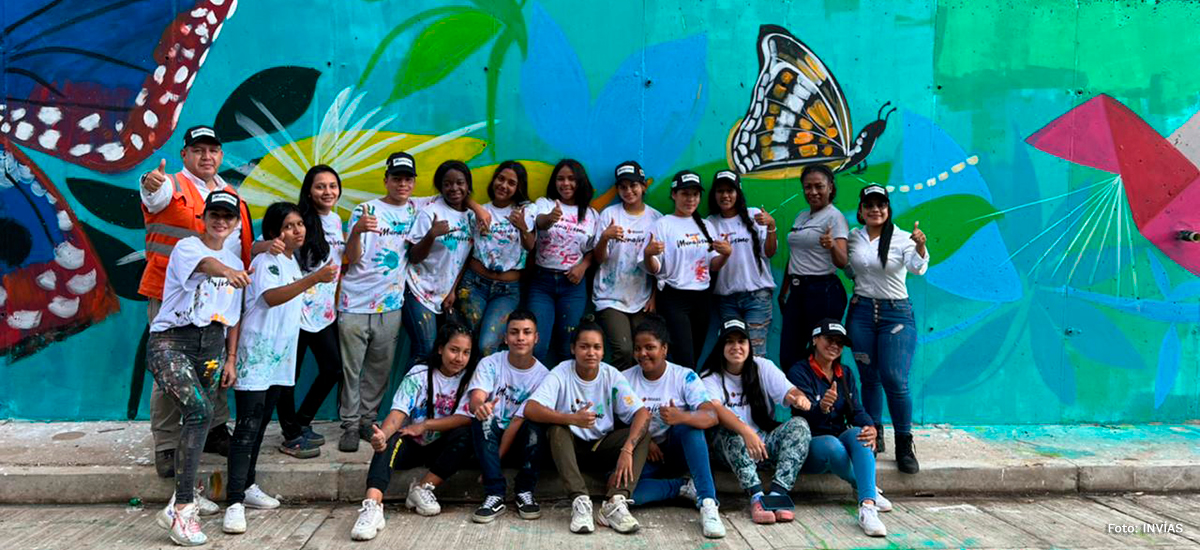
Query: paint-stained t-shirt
x=621, y=281
x=267, y=341
x=497, y=377
x=609, y=395
x=562, y=245
x=434, y=277
x=193, y=298
x=686, y=260
x=413, y=395
x=320, y=300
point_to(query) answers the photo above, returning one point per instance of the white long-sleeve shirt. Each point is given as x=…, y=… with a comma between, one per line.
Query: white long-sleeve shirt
x=872, y=280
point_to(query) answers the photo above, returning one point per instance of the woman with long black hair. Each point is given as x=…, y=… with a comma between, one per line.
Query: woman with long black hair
x=324, y=242
x=880, y=320
x=743, y=288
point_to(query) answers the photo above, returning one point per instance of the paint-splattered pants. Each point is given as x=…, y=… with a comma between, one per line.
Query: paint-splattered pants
x=186, y=363
x=443, y=456
x=885, y=339
x=618, y=336
x=687, y=314
x=755, y=308
x=485, y=305
x=570, y=453
x=810, y=298
x=254, y=409
x=165, y=419
x=526, y=452
x=787, y=449
x=558, y=304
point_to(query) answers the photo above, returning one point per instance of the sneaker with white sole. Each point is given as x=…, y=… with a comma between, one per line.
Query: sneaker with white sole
x=203, y=505
x=421, y=498
x=615, y=513
x=256, y=498
x=235, y=519
x=710, y=519
x=185, y=527
x=581, y=515
x=527, y=507
x=868, y=519
x=492, y=508
x=166, y=517
x=370, y=521
x=881, y=502
x=688, y=491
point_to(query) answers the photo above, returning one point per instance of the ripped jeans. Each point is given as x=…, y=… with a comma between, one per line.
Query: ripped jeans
x=755, y=308
x=885, y=338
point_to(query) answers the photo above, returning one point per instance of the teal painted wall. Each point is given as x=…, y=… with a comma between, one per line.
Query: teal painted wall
x=1057, y=137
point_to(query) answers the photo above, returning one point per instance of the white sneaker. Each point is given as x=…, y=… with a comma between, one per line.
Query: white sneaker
x=615, y=513
x=370, y=521
x=256, y=498
x=688, y=491
x=710, y=519
x=581, y=515
x=421, y=498
x=882, y=502
x=185, y=529
x=166, y=516
x=868, y=519
x=235, y=519
x=205, y=506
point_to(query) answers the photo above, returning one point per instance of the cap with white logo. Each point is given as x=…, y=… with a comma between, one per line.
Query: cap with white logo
x=686, y=179
x=198, y=134
x=832, y=329
x=630, y=170
x=401, y=164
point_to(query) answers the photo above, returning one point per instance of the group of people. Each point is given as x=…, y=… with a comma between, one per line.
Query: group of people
x=506, y=365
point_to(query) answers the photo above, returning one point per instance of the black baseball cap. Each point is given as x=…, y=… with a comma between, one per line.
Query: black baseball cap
x=200, y=134
x=630, y=170
x=734, y=325
x=728, y=176
x=873, y=191
x=223, y=199
x=686, y=179
x=401, y=164
x=830, y=328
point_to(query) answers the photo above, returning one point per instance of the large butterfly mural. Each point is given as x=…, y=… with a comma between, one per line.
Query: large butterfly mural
x=797, y=116
x=99, y=84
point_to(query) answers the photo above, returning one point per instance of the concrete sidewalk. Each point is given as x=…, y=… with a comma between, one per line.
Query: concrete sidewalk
x=93, y=462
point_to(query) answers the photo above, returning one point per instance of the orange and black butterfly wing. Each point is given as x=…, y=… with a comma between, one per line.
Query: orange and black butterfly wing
x=797, y=114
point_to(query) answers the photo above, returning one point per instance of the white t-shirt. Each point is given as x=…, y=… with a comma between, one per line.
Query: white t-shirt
x=497, y=377
x=191, y=298
x=727, y=389
x=375, y=283
x=434, y=277
x=621, y=281
x=683, y=386
x=564, y=391
x=873, y=280
x=500, y=249
x=563, y=244
x=267, y=342
x=685, y=263
x=806, y=255
x=743, y=271
x=413, y=393
x=320, y=300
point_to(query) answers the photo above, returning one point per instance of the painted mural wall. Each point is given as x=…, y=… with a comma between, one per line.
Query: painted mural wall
x=1048, y=148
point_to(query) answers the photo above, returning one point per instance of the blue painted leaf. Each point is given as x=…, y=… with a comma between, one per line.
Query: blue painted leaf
x=116, y=205
x=285, y=91
x=978, y=270
x=1168, y=366
x=1160, y=274
x=1090, y=333
x=1048, y=356
x=970, y=363
x=554, y=90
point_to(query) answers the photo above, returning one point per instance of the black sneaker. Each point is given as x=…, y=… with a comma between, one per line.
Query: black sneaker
x=492, y=508
x=300, y=448
x=312, y=436
x=164, y=463
x=528, y=508
x=218, y=441
x=348, y=443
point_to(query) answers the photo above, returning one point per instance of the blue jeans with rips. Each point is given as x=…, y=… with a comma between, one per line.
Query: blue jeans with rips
x=755, y=308
x=885, y=338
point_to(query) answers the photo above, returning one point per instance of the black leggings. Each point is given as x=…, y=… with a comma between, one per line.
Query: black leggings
x=327, y=352
x=443, y=457
x=254, y=410
x=686, y=313
x=810, y=298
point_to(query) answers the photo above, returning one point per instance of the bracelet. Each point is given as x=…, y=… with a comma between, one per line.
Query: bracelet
x=624, y=450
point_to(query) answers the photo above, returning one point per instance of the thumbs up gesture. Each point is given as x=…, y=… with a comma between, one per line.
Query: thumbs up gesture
x=517, y=218
x=378, y=439
x=671, y=414
x=653, y=247
x=827, y=237
x=154, y=179
x=485, y=409
x=722, y=247
x=765, y=219
x=585, y=417
x=277, y=246
x=328, y=273
x=829, y=398
x=613, y=231
x=440, y=227
x=367, y=223
x=555, y=214
x=918, y=237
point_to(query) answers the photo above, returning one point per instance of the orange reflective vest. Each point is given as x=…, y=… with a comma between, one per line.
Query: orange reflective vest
x=183, y=217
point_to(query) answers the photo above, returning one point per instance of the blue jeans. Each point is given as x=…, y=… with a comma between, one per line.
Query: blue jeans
x=683, y=444
x=847, y=458
x=421, y=325
x=754, y=307
x=485, y=305
x=810, y=298
x=885, y=339
x=527, y=446
x=558, y=305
